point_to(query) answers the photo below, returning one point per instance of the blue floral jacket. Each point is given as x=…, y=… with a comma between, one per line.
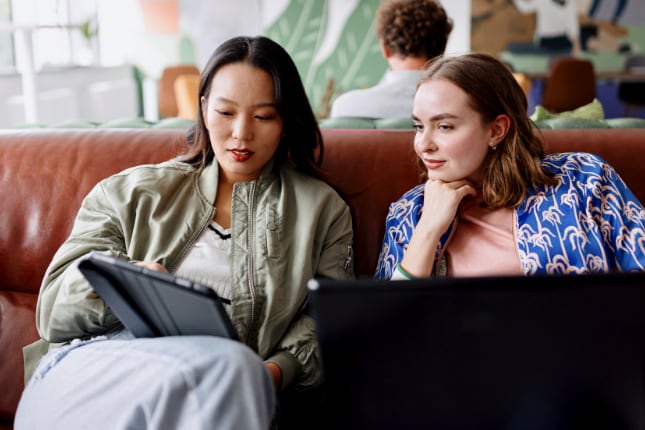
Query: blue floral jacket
x=589, y=222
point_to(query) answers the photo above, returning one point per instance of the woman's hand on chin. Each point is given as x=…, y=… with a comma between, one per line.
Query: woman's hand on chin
x=441, y=200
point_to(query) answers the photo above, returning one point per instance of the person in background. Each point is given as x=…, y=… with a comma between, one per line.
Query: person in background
x=557, y=29
x=410, y=32
x=243, y=212
x=618, y=10
x=491, y=202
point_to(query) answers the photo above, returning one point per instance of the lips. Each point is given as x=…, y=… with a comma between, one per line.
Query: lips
x=433, y=164
x=240, y=154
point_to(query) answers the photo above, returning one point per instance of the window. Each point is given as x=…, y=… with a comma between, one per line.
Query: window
x=61, y=32
x=6, y=37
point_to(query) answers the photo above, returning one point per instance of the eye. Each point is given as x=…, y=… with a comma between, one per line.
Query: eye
x=223, y=112
x=444, y=127
x=418, y=127
x=265, y=117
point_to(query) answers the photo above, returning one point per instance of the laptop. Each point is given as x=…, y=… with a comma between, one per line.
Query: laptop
x=152, y=303
x=557, y=352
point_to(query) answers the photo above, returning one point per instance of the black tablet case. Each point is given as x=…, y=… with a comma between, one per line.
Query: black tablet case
x=152, y=303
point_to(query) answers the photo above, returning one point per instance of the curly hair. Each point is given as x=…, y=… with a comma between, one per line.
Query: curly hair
x=413, y=27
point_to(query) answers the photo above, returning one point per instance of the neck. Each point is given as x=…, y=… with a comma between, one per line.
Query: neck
x=407, y=63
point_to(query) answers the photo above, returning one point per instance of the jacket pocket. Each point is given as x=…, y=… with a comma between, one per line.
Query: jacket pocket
x=273, y=233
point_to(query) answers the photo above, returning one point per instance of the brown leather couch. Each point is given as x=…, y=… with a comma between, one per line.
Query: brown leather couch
x=44, y=174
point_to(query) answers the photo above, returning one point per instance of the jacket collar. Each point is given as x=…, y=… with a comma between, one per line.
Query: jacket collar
x=209, y=178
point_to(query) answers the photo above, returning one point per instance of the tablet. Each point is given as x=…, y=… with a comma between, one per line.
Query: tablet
x=152, y=303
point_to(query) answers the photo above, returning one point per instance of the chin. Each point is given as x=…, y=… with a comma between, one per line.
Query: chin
x=442, y=178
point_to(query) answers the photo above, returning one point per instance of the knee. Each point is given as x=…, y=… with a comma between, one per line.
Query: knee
x=232, y=359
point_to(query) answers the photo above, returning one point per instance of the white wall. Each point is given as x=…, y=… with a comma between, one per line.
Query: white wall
x=459, y=11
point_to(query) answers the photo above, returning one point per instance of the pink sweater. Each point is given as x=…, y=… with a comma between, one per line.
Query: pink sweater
x=483, y=243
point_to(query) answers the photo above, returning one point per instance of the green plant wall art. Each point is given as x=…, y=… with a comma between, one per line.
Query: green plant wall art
x=332, y=43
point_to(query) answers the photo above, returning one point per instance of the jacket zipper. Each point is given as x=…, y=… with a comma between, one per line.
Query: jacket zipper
x=251, y=250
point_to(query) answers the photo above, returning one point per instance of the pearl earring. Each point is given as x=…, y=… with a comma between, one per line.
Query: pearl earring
x=492, y=145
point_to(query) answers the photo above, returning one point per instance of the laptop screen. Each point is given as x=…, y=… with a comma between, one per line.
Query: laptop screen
x=556, y=352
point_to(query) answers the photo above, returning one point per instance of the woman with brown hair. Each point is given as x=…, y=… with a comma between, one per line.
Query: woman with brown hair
x=492, y=202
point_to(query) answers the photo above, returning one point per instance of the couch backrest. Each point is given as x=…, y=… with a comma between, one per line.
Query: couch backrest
x=46, y=173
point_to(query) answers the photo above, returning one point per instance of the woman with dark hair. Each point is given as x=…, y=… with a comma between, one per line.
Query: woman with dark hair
x=492, y=203
x=301, y=140
x=241, y=212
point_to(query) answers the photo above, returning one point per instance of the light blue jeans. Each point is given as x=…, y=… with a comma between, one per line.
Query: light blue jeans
x=188, y=382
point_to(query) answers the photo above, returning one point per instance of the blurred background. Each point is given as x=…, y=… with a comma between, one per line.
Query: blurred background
x=101, y=60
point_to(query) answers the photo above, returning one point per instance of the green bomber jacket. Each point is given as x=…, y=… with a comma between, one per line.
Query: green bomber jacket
x=287, y=227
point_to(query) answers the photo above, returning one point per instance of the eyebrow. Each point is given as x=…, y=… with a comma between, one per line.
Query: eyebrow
x=263, y=104
x=436, y=117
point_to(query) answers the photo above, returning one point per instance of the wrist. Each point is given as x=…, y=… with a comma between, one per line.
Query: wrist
x=405, y=273
x=276, y=374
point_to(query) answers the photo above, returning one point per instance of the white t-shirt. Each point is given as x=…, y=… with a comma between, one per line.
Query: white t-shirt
x=392, y=97
x=208, y=261
x=552, y=19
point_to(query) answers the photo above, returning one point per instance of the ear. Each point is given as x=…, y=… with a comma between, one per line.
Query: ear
x=385, y=51
x=499, y=128
x=202, y=102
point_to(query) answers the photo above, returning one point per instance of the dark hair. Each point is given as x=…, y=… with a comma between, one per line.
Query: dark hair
x=413, y=27
x=492, y=90
x=301, y=141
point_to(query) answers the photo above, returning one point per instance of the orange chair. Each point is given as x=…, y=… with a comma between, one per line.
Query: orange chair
x=167, y=99
x=187, y=95
x=570, y=83
x=524, y=81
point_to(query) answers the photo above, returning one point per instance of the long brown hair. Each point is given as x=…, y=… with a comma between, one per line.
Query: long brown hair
x=492, y=90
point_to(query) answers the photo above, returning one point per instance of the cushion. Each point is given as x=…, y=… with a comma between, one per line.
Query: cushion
x=567, y=122
x=346, y=123
x=404, y=123
x=593, y=111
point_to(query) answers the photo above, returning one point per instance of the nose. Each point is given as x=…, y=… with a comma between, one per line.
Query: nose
x=242, y=128
x=424, y=143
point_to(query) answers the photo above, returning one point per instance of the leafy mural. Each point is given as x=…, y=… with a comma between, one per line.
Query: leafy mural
x=355, y=61
x=297, y=30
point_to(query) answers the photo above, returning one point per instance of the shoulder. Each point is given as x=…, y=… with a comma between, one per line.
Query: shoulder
x=351, y=102
x=160, y=169
x=575, y=163
x=582, y=173
x=159, y=175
